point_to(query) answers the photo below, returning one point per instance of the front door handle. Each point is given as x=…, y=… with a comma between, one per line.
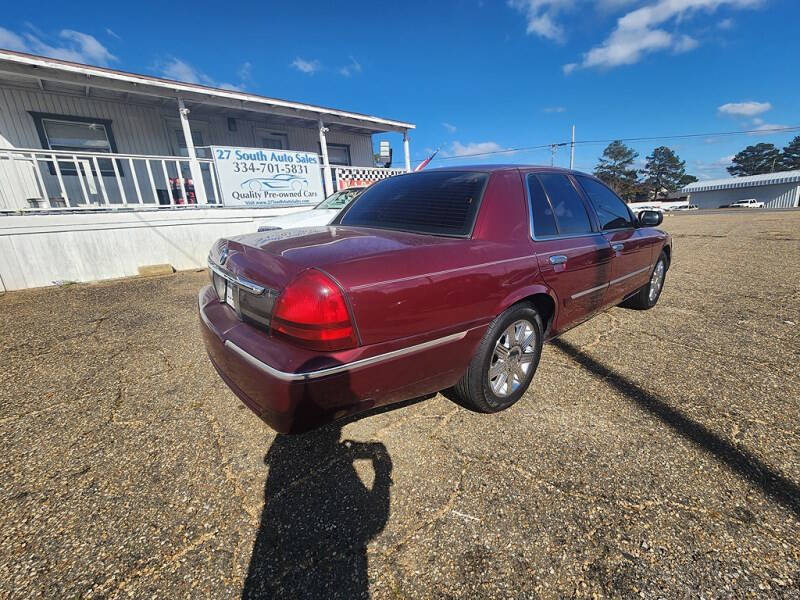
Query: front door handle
x=558, y=259
x=617, y=247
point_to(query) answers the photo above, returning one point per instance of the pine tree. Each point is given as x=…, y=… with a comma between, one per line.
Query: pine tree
x=615, y=168
x=663, y=172
x=755, y=160
x=790, y=158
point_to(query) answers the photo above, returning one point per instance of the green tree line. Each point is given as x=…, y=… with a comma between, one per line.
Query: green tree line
x=665, y=172
x=766, y=158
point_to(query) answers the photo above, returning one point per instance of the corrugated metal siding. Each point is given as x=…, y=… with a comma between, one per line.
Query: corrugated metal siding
x=138, y=129
x=774, y=196
x=743, y=182
x=248, y=133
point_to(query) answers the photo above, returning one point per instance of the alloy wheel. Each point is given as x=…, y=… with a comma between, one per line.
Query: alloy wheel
x=512, y=358
x=656, y=281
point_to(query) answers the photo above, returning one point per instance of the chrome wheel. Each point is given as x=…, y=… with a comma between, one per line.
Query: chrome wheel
x=657, y=280
x=512, y=358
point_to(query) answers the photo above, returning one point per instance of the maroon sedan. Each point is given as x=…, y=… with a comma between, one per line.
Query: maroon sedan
x=450, y=278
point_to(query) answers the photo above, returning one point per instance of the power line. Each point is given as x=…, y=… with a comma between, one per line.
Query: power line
x=608, y=141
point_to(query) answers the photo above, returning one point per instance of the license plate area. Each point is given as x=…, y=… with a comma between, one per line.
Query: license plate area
x=229, y=295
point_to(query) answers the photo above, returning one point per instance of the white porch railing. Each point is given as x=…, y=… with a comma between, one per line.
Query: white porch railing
x=51, y=180
x=33, y=180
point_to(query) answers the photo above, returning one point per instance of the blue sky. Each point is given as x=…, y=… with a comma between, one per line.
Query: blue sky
x=475, y=76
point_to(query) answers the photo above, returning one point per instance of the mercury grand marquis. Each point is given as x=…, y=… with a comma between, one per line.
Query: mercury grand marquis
x=445, y=279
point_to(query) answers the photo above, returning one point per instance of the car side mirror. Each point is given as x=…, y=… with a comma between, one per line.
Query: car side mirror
x=650, y=218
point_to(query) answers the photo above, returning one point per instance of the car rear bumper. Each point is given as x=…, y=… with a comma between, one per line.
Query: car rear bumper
x=293, y=389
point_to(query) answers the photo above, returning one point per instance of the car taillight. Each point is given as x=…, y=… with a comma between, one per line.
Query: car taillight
x=312, y=312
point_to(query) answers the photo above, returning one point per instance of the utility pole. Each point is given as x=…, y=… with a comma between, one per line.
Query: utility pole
x=553, y=153
x=572, y=149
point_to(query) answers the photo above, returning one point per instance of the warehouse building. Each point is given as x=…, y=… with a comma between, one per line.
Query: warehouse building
x=775, y=190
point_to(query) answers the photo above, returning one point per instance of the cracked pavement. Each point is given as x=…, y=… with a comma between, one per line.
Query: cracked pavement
x=657, y=453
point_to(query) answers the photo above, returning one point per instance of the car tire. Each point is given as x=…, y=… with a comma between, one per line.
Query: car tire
x=481, y=388
x=646, y=296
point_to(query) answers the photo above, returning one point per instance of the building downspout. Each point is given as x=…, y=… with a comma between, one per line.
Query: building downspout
x=194, y=164
x=326, y=167
x=406, y=152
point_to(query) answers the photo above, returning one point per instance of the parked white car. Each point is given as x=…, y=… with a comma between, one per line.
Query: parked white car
x=749, y=203
x=322, y=214
x=637, y=208
x=686, y=207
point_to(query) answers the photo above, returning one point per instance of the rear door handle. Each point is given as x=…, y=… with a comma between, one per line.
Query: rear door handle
x=617, y=247
x=558, y=259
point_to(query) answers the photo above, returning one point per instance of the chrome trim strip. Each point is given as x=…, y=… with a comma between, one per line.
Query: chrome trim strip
x=589, y=291
x=530, y=257
x=245, y=284
x=624, y=277
x=358, y=364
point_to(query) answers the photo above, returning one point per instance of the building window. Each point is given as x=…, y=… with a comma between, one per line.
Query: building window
x=338, y=154
x=200, y=149
x=275, y=141
x=76, y=134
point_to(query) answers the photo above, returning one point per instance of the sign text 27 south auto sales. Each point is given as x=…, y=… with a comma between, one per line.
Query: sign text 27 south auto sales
x=267, y=178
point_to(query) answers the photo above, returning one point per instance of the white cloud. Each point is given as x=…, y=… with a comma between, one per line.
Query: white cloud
x=744, y=109
x=712, y=169
x=305, y=66
x=180, y=70
x=245, y=71
x=473, y=148
x=725, y=24
x=685, y=43
x=641, y=32
x=768, y=129
x=70, y=45
x=541, y=16
x=351, y=69
x=449, y=127
x=112, y=33
x=554, y=109
x=758, y=121
x=11, y=41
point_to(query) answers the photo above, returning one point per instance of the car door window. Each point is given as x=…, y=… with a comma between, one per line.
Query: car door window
x=568, y=208
x=611, y=210
x=544, y=222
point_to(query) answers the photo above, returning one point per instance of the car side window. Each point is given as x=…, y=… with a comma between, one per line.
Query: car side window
x=544, y=223
x=611, y=210
x=568, y=208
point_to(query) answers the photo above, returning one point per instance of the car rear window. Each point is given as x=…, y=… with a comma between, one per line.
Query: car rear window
x=544, y=223
x=569, y=210
x=438, y=203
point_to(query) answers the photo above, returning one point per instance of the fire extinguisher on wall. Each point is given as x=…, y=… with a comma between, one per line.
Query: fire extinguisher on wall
x=177, y=196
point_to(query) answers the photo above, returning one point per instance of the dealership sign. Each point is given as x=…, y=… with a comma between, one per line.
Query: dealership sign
x=267, y=178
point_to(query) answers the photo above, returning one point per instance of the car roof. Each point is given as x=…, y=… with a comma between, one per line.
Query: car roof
x=490, y=168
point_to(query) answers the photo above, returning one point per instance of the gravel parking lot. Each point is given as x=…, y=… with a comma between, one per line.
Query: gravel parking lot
x=656, y=454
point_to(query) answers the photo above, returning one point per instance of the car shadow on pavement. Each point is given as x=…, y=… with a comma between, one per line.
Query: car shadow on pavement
x=774, y=485
x=319, y=514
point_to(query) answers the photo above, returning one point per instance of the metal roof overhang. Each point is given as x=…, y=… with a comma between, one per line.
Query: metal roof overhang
x=50, y=69
x=743, y=182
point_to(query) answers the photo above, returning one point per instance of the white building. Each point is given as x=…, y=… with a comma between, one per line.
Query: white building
x=103, y=171
x=776, y=190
